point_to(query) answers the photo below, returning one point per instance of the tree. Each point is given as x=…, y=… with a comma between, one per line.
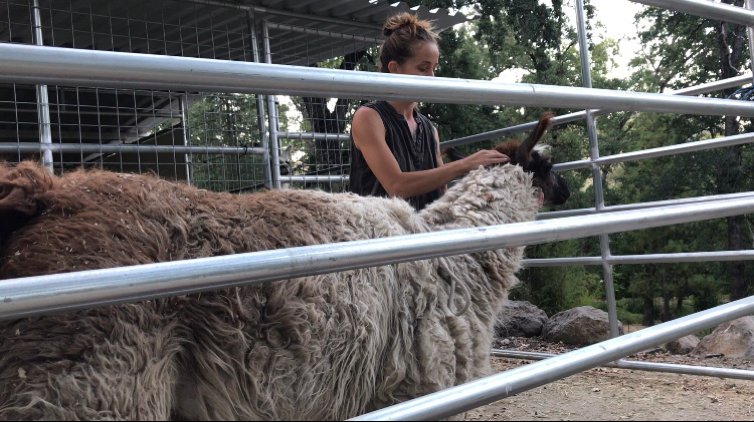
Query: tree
x=677, y=53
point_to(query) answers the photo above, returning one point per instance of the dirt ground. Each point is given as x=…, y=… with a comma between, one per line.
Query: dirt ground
x=620, y=395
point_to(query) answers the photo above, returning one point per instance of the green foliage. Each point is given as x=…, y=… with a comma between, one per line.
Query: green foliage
x=706, y=292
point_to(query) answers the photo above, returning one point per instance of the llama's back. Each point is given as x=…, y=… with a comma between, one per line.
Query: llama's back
x=303, y=349
x=97, y=219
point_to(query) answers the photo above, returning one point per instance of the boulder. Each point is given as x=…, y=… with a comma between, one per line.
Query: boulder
x=683, y=346
x=520, y=319
x=733, y=339
x=578, y=327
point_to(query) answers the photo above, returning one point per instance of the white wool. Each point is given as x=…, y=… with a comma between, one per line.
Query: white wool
x=329, y=347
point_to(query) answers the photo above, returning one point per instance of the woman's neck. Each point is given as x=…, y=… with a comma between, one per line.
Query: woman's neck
x=404, y=109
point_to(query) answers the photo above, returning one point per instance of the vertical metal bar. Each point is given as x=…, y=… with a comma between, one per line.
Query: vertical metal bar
x=265, y=140
x=273, y=114
x=43, y=99
x=750, y=5
x=594, y=154
x=185, y=126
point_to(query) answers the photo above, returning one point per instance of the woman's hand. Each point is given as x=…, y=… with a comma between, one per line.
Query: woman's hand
x=483, y=158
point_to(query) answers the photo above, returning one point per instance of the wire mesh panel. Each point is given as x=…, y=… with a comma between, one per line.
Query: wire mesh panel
x=203, y=139
x=16, y=21
x=18, y=103
x=314, y=130
x=231, y=121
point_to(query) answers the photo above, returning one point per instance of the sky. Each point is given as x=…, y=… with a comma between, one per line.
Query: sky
x=617, y=18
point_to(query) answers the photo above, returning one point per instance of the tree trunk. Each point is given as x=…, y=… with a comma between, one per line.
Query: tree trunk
x=679, y=305
x=731, y=45
x=330, y=152
x=730, y=182
x=649, y=312
x=666, y=314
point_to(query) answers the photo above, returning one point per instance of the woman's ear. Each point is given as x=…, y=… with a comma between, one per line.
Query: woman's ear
x=393, y=66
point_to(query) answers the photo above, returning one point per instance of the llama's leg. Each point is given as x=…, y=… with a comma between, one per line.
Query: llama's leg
x=118, y=363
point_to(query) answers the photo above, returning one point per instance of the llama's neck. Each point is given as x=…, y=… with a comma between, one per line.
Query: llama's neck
x=485, y=197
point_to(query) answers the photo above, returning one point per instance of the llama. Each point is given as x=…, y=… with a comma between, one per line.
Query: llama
x=330, y=346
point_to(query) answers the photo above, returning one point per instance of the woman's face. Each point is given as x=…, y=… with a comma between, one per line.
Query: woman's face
x=423, y=63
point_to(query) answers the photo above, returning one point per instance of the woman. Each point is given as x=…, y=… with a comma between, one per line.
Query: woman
x=395, y=149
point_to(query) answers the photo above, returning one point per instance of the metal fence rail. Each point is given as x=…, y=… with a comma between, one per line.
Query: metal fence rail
x=594, y=155
x=685, y=148
x=701, y=371
x=65, y=292
x=30, y=147
x=39, y=65
x=643, y=205
x=675, y=258
x=581, y=115
x=707, y=9
x=313, y=136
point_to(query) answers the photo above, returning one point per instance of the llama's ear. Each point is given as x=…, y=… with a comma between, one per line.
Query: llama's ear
x=523, y=155
x=20, y=191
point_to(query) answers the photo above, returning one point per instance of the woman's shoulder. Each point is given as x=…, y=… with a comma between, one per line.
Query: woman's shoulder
x=366, y=113
x=366, y=122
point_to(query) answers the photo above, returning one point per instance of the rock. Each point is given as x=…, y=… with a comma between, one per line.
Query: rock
x=520, y=319
x=578, y=327
x=733, y=339
x=683, y=346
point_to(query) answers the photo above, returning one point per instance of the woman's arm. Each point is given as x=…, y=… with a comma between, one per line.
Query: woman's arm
x=368, y=134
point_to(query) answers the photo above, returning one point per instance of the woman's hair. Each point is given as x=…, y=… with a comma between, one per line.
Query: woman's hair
x=402, y=33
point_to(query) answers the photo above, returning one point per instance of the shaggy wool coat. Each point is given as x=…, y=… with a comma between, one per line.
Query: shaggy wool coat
x=324, y=347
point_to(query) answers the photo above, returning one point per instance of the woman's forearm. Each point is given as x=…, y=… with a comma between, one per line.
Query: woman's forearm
x=409, y=184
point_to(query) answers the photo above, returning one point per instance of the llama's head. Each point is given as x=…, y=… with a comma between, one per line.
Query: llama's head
x=534, y=159
x=22, y=189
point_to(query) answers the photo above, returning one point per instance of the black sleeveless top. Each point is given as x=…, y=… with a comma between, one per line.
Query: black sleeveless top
x=412, y=155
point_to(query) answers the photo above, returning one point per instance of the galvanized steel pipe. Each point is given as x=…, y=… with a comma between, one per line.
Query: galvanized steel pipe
x=581, y=115
x=706, y=9
x=707, y=144
x=66, y=292
x=43, y=97
x=643, y=205
x=691, y=257
x=314, y=179
x=40, y=65
x=701, y=371
x=31, y=147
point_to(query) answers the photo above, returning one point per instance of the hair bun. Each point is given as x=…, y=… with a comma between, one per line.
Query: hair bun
x=401, y=21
